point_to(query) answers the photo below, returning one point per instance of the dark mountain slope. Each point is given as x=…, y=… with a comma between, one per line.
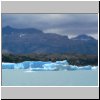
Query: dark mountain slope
x=31, y=40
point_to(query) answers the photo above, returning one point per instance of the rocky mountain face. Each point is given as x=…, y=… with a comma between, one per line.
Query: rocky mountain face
x=31, y=40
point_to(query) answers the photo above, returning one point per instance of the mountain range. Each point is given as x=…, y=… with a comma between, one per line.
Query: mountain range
x=31, y=40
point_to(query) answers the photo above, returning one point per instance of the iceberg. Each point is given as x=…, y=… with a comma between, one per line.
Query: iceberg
x=88, y=67
x=64, y=62
x=51, y=66
x=19, y=66
x=34, y=64
x=58, y=65
x=8, y=65
x=72, y=67
x=94, y=68
x=46, y=66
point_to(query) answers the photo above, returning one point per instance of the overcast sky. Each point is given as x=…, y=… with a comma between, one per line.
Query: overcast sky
x=63, y=24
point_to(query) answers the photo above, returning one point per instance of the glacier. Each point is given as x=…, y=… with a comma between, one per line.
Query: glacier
x=46, y=66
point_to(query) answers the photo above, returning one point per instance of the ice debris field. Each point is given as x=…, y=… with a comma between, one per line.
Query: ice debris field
x=46, y=66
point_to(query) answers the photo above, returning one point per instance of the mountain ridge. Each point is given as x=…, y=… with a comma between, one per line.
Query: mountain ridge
x=20, y=41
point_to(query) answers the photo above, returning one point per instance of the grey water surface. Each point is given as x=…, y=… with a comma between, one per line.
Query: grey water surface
x=19, y=77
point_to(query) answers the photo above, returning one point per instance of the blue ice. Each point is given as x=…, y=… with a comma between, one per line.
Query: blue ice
x=46, y=66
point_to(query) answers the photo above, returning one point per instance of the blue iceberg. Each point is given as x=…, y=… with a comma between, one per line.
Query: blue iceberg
x=8, y=65
x=88, y=67
x=34, y=64
x=72, y=67
x=51, y=66
x=46, y=66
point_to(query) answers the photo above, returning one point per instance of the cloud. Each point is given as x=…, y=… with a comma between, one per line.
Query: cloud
x=63, y=24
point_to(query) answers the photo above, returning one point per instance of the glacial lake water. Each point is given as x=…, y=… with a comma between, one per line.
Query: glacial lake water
x=19, y=77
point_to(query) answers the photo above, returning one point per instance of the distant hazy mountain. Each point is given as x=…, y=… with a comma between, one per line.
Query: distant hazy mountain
x=83, y=38
x=30, y=40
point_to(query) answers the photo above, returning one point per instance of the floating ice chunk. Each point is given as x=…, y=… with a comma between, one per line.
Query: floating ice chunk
x=58, y=65
x=18, y=66
x=39, y=64
x=94, y=67
x=80, y=68
x=26, y=64
x=51, y=66
x=72, y=67
x=8, y=65
x=64, y=62
x=34, y=64
x=88, y=67
x=46, y=66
